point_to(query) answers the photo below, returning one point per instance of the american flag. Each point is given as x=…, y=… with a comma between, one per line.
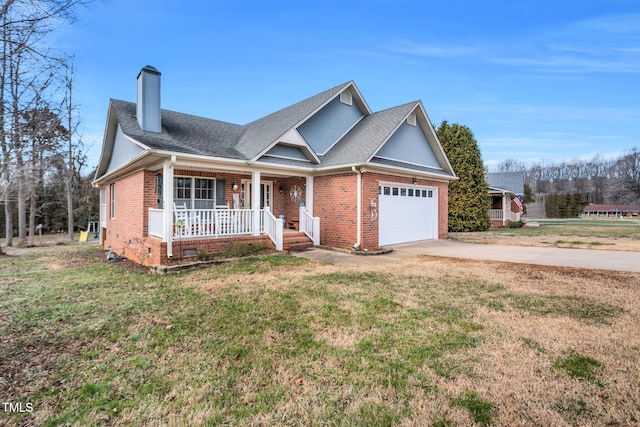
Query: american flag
x=518, y=203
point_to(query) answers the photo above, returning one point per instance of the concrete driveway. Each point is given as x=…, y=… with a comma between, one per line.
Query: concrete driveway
x=561, y=257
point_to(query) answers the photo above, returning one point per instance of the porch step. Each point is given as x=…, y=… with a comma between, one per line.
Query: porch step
x=296, y=241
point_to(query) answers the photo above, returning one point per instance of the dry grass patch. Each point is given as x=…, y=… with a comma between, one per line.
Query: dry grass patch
x=279, y=340
x=604, y=235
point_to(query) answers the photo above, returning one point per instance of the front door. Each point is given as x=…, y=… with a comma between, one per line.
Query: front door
x=266, y=192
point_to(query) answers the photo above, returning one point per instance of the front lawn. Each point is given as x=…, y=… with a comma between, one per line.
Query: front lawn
x=585, y=234
x=279, y=340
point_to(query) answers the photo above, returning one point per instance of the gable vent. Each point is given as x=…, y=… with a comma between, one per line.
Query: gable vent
x=412, y=119
x=346, y=97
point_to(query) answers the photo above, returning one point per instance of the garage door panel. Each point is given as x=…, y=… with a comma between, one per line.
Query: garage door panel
x=404, y=218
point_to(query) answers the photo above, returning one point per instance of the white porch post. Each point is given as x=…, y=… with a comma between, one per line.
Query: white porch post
x=255, y=201
x=167, y=203
x=308, y=197
x=504, y=209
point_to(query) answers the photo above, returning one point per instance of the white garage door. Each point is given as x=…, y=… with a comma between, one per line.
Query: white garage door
x=407, y=213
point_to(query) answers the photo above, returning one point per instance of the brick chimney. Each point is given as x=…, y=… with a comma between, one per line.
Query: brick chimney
x=148, y=105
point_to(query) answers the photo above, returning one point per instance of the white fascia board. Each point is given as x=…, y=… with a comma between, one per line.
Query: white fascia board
x=425, y=124
x=440, y=153
x=108, y=142
x=195, y=161
x=499, y=190
x=134, y=141
x=342, y=136
x=378, y=168
x=395, y=129
x=291, y=137
x=373, y=167
x=409, y=163
x=294, y=138
x=358, y=99
x=111, y=131
x=124, y=169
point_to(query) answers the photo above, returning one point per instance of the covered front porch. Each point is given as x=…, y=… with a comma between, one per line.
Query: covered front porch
x=223, y=222
x=501, y=213
x=197, y=204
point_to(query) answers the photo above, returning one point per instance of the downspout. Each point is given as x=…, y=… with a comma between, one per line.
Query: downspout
x=167, y=203
x=358, y=207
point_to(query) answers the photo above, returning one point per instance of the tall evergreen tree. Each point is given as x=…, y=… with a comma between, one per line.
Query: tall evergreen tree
x=468, y=197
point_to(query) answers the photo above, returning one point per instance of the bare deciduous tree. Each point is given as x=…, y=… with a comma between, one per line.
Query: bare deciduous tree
x=28, y=74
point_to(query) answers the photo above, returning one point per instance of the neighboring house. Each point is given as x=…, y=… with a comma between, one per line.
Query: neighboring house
x=506, y=190
x=595, y=211
x=172, y=184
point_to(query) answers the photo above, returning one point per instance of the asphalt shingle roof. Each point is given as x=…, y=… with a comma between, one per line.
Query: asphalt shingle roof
x=184, y=133
x=510, y=181
x=262, y=132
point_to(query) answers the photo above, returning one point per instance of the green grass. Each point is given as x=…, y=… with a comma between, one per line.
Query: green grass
x=88, y=342
x=574, y=306
x=580, y=366
x=573, y=230
x=480, y=410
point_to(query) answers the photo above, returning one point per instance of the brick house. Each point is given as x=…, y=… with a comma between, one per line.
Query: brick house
x=326, y=169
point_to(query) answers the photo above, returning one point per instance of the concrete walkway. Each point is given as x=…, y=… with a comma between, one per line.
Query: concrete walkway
x=562, y=257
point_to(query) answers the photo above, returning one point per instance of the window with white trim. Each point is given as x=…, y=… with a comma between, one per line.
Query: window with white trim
x=194, y=193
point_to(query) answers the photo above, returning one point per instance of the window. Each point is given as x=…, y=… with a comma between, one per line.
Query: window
x=430, y=193
x=112, y=197
x=182, y=191
x=411, y=192
x=204, y=196
x=394, y=191
x=194, y=193
x=403, y=191
x=387, y=191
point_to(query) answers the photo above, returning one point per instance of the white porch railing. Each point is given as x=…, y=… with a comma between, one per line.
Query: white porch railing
x=212, y=222
x=310, y=225
x=190, y=223
x=155, y=222
x=498, y=214
x=274, y=228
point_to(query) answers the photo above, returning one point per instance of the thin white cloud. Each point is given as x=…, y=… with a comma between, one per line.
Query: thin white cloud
x=607, y=44
x=516, y=141
x=412, y=47
x=628, y=23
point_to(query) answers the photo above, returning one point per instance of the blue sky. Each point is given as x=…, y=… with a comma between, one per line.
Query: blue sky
x=535, y=81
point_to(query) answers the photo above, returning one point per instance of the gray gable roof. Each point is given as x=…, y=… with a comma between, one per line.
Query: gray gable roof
x=192, y=135
x=263, y=132
x=182, y=133
x=510, y=181
x=362, y=142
